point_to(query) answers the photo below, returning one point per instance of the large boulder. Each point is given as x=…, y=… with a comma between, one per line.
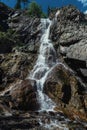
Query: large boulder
x=23, y=96
x=65, y=89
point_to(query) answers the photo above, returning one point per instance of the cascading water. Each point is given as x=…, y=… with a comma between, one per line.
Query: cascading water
x=46, y=60
x=44, y=64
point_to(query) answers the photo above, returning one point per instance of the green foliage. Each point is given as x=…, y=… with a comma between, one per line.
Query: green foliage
x=2, y=34
x=35, y=10
x=43, y=15
x=7, y=35
x=14, y=36
x=10, y=37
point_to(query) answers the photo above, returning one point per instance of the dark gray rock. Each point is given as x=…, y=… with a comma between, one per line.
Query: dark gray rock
x=4, y=14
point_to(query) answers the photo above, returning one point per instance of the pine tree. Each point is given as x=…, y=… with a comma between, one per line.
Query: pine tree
x=34, y=9
x=18, y=4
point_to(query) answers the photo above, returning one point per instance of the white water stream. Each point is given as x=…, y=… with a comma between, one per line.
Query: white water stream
x=46, y=60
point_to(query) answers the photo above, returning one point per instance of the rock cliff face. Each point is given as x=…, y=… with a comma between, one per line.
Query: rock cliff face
x=66, y=83
x=18, y=46
x=69, y=35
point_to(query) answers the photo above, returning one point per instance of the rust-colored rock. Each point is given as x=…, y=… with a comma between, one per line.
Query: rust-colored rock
x=23, y=96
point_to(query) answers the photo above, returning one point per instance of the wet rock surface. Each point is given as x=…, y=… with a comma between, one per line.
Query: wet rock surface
x=39, y=121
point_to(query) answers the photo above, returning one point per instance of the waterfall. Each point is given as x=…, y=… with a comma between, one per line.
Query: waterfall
x=46, y=60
